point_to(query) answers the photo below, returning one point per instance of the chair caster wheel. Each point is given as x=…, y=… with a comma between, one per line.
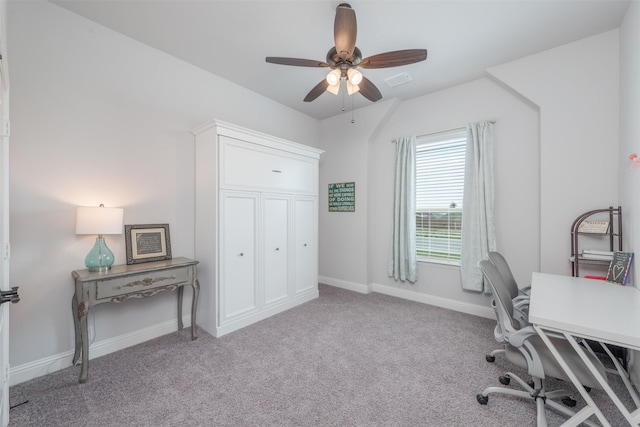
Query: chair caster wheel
x=504, y=380
x=490, y=358
x=569, y=401
x=531, y=384
x=482, y=399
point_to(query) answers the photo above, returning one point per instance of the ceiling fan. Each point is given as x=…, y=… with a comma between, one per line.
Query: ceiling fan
x=344, y=59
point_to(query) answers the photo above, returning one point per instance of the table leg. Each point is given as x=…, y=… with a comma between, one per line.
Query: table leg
x=180, y=295
x=194, y=309
x=76, y=327
x=83, y=308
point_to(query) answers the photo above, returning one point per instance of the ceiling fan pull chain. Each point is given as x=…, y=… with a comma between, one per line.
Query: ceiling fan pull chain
x=343, y=107
x=352, y=119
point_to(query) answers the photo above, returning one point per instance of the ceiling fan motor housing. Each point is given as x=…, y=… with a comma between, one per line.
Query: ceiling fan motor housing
x=335, y=61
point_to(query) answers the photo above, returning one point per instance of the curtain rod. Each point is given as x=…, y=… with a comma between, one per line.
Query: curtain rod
x=491, y=120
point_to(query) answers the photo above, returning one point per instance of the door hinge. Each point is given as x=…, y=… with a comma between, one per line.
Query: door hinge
x=6, y=129
x=6, y=253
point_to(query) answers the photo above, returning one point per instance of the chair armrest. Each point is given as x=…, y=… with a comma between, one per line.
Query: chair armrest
x=517, y=338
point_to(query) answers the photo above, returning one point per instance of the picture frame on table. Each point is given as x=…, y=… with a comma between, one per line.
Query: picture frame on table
x=147, y=242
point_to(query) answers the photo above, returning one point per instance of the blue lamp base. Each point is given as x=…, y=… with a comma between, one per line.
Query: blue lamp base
x=100, y=258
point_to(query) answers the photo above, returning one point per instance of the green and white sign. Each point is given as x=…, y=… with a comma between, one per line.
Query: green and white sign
x=342, y=197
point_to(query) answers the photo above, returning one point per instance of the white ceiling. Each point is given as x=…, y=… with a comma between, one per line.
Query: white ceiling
x=232, y=38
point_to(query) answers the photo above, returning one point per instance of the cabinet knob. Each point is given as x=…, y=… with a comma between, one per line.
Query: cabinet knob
x=304, y=245
x=276, y=171
x=277, y=249
x=241, y=254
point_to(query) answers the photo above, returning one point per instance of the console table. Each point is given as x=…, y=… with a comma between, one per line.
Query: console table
x=122, y=282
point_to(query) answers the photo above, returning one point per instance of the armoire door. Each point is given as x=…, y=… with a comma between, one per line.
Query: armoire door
x=276, y=214
x=305, y=244
x=238, y=292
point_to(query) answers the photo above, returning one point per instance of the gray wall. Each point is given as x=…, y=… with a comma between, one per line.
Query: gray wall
x=98, y=118
x=630, y=136
x=556, y=155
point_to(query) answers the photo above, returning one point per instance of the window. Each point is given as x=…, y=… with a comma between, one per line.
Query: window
x=440, y=162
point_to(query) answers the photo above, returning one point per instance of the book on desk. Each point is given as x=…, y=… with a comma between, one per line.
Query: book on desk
x=619, y=267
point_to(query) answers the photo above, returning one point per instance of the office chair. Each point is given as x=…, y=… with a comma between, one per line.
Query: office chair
x=519, y=297
x=525, y=349
x=501, y=264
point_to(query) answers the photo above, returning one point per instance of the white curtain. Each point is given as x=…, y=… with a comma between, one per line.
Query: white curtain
x=403, y=263
x=478, y=228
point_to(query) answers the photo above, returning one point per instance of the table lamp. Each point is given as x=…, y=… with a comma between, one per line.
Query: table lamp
x=100, y=221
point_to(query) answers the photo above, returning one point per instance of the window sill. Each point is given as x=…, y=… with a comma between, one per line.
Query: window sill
x=440, y=262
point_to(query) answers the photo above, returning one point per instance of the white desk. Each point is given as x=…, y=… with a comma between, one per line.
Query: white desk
x=584, y=308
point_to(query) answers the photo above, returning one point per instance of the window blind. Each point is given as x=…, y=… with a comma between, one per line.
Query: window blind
x=440, y=161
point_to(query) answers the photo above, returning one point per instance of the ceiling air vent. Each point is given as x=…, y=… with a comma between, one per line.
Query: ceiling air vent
x=398, y=79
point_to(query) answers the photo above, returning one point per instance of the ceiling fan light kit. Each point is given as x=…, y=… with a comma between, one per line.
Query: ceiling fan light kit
x=355, y=76
x=334, y=89
x=333, y=78
x=345, y=57
x=351, y=88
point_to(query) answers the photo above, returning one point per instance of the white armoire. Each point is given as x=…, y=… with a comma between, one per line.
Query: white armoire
x=256, y=225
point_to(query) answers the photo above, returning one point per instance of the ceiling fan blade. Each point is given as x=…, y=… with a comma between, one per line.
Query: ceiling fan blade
x=345, y=29
x=394, y=59
x=369, y=90
x=296, y=61
x=316, y=91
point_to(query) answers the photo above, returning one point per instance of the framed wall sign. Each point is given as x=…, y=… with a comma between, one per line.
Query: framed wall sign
x=147, y=242
x=342, y=197
x=619, y=268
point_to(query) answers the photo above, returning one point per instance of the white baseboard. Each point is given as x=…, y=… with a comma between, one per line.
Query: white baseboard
x=343, y=284
x=463, y=307
x=47, y=365
x=474, y=309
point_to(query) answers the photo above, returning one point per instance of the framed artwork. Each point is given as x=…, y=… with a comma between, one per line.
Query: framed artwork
x=342, y=197
x=147, y=242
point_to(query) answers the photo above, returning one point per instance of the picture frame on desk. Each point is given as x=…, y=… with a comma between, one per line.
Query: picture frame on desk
x=147, y=242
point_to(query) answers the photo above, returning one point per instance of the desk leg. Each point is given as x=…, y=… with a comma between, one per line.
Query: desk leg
x=180, y=294
x=194, y=309
x=603, y=383
x=591, y=408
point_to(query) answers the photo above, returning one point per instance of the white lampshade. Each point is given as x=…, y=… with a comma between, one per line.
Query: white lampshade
x=351, y=88
x=333, y=78
x=99, y=220
x=333, y=89
x=355, y=76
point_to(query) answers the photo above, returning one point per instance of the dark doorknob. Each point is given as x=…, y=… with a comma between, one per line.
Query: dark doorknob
x=9, y=296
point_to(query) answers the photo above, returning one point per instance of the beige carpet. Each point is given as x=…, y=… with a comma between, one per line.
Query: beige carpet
x=344, y=359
